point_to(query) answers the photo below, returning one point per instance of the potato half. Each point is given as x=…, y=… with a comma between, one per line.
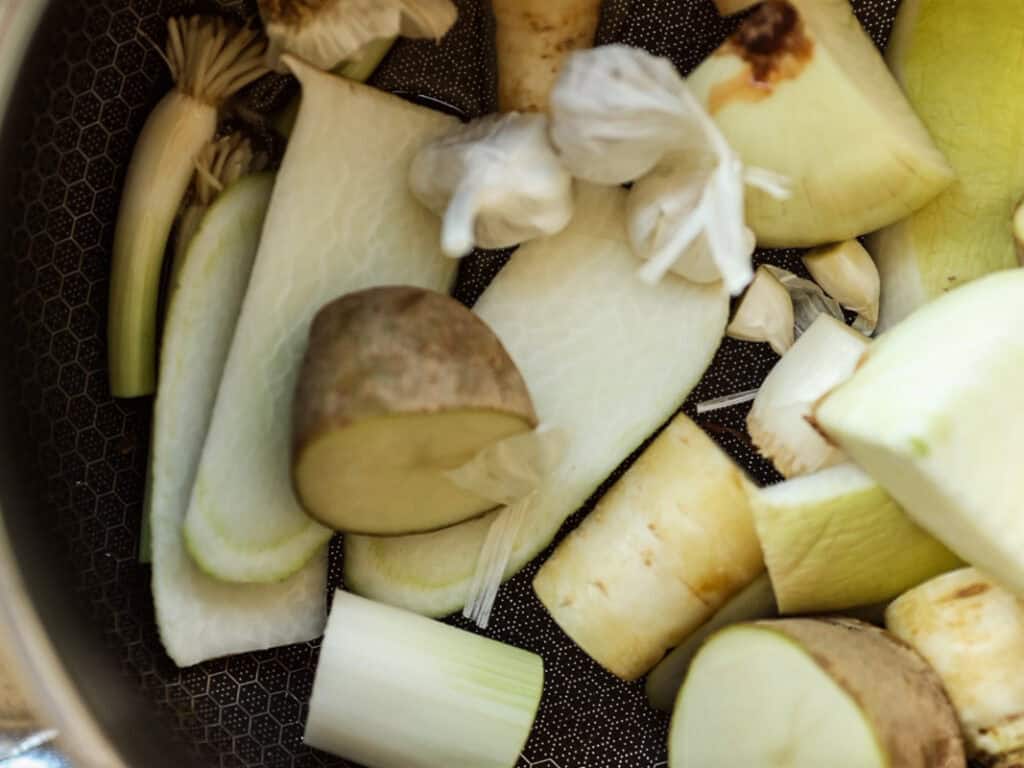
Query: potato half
x=399, y=385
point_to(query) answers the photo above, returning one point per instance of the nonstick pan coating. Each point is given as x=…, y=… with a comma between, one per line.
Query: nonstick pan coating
x=73, y=480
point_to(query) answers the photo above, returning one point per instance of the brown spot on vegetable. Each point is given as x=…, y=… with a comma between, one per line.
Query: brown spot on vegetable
x=970, y=591
x=775, y=47
x=601, y=586
x=648, y=557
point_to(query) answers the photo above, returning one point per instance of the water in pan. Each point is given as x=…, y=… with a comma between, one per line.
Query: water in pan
x=91, y=451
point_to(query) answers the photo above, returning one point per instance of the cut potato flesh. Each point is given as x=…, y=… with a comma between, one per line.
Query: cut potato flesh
x=959, y=64
x=807, y=95
x=836, y=540
x=199, y=617
x=394, y=477
x=341, y=219
x=608, y=359
x=666, y=547
x=931, y=415
x=812, y=693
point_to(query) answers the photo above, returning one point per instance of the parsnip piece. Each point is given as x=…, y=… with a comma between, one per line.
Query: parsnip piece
x=666, y=547
x=797, y=81
x=835, y=540
x=398, y=387
x=972, y=632
x=931, y=415
x=341, y=219
x=959, y=64
x=809, y=693
x=607, y=358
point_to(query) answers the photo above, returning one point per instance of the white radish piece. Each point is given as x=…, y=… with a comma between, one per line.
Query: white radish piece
x=607, y=358
x=810, y=693
x=341, y=219
x=200, y=617
x=397, y=690
x=664, y=549
x=835, y=540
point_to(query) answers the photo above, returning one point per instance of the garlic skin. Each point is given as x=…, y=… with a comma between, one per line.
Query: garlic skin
x=615, y=112
x=496, y=182
x=848, y=274
x=326, y=32
x=765, y=313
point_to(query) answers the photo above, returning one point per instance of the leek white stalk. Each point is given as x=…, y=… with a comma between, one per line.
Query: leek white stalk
x=765, y=313
x=397, y=690
x=848, y=274
x=209, y=61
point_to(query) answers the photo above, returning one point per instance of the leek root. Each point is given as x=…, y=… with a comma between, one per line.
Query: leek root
x=210, y=61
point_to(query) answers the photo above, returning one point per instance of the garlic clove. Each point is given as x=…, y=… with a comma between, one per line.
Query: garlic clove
x=848, y=273
x=779, y=421
x=765, y=313
x=809, y=300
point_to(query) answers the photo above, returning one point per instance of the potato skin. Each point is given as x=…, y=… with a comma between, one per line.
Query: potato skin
x=399, y=349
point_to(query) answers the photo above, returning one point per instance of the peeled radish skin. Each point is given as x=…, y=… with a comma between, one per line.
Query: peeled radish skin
x=808, y=693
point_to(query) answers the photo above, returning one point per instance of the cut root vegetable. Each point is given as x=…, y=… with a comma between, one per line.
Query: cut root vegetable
x=824, y=357
x=396, y=690
x=755, y=601
x=960, y=91
x=808, y=693
x=399, y=387
x=848, y=274
x=608, y=359
x=835, y=540
x=201, y=618
x=931, y=415
x=666, y=547
x=800, y=89
x=972, y=632
x=341, y=219
x=533, y=38
x=765, y=313
x=209, y=61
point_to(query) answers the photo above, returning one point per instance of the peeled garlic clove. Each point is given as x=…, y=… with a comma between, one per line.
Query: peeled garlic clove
x=848, y=273
x=765, y=313
x=778, y=423
x=327, y=32
x=615, y=112
x=496, y=182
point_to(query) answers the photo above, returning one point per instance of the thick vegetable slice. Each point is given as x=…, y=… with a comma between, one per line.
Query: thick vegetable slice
x=666, y=547
x=201, y=618
x=809, y=693
x=607, y=358
x=931, y=414
x=755, y=601
x=972, y=632
x=959, y=64
x=396, y=690
x=836, y=540
x=341, y=219
x=801, y=90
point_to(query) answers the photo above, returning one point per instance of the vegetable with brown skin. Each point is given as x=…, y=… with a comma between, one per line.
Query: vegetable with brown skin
x=399, y=386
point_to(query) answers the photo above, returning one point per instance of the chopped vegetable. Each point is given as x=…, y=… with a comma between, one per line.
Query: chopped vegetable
x=396, y=690
x=931, y=415
x=496, y=181
x=666, y=547
x=808, y=693
x=399, y=386
x=765, y=313
x=848, y=273
x=825, y=356
x=971, y=631
x=801, y=89
x=201, y=618
x=341, y=219
x=327, y=32
x=533, y=39
x=209, y=61
x=962, y=92
x=834, y=540
x=755, y=601
x=607, y=358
